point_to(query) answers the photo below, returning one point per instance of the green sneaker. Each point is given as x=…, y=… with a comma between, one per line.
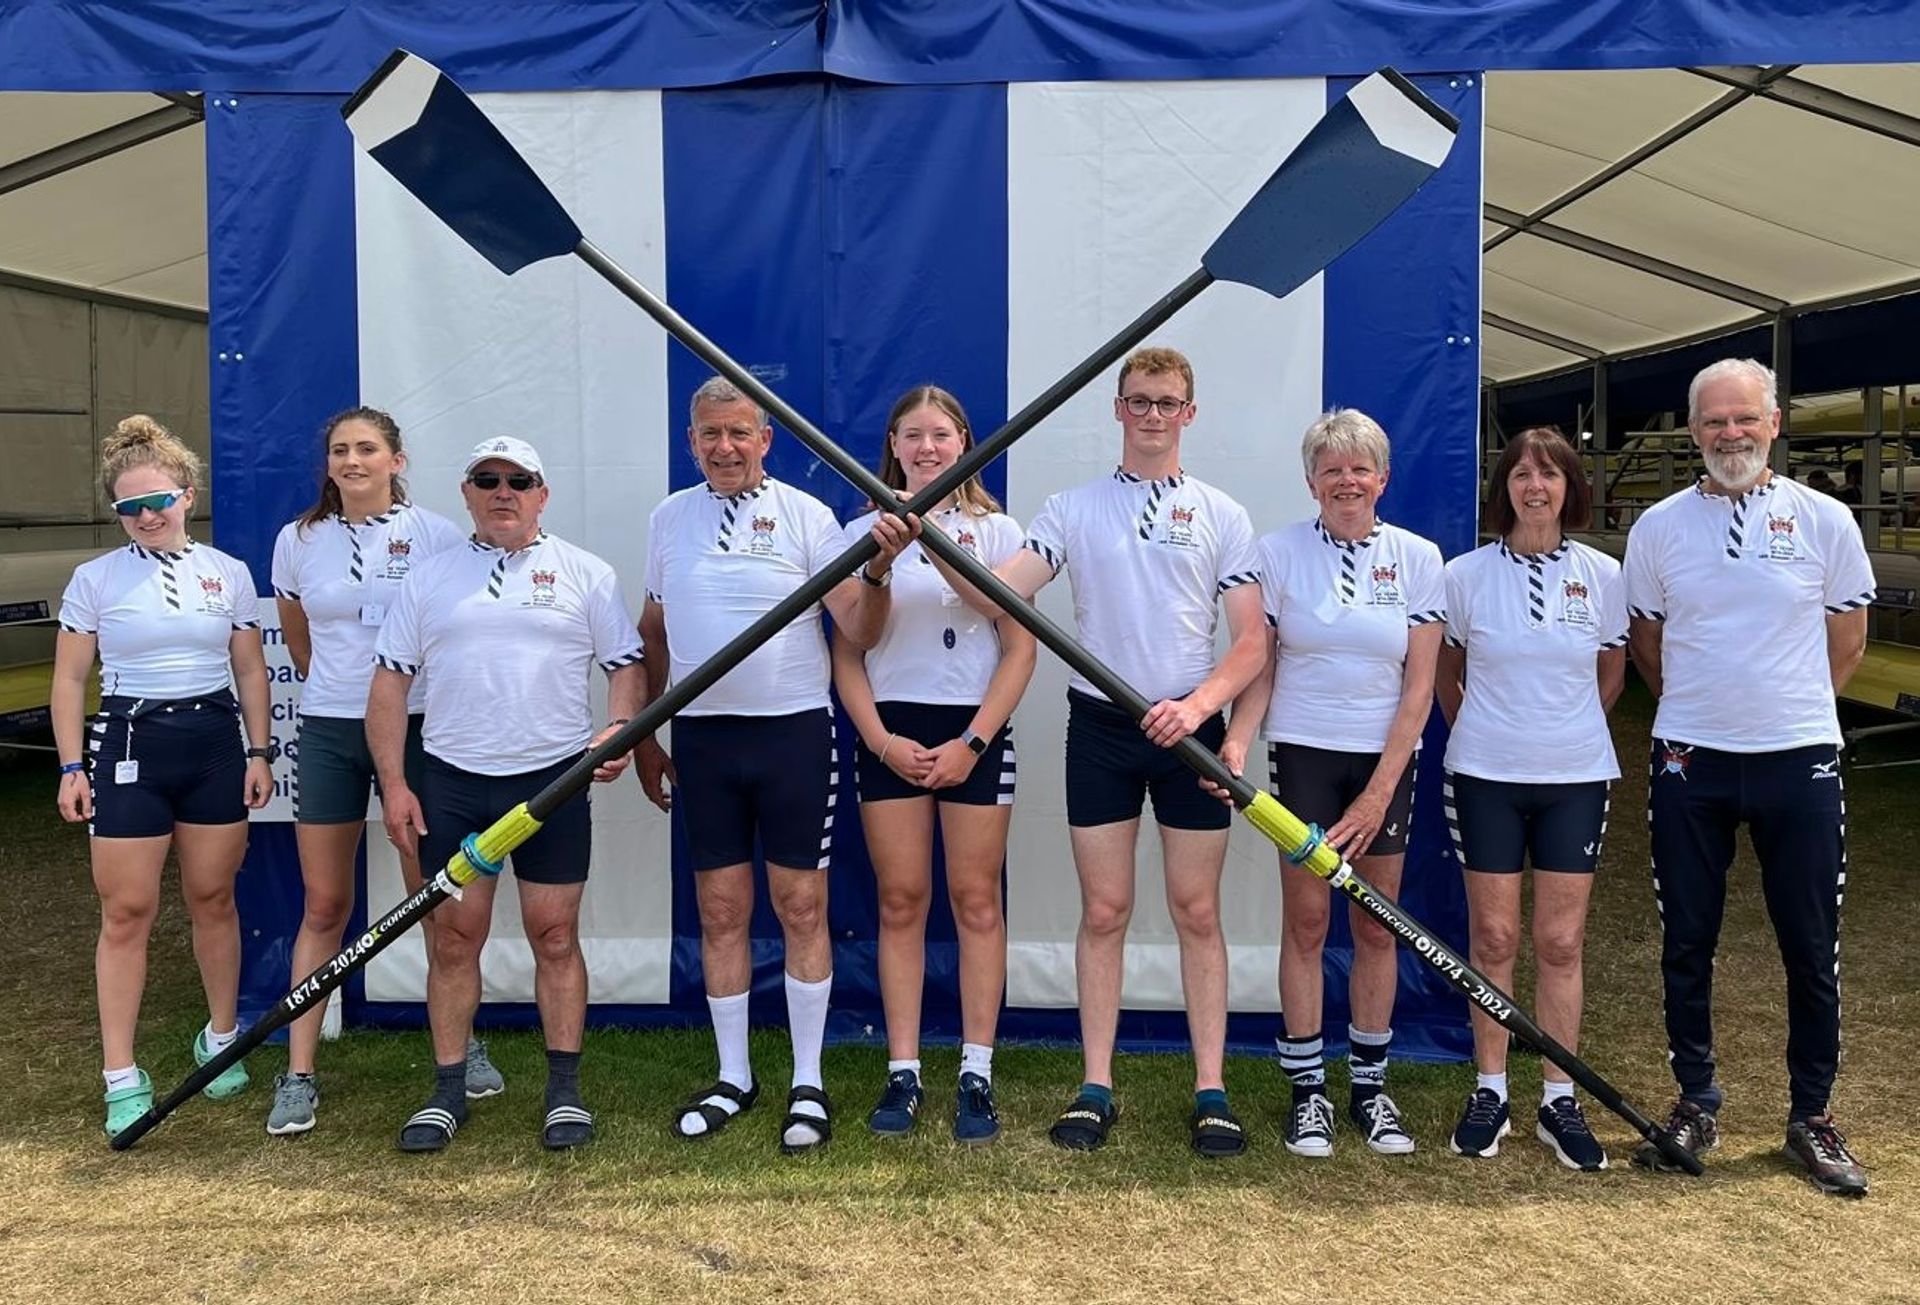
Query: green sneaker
x=124, y=1105
x=233, y=1079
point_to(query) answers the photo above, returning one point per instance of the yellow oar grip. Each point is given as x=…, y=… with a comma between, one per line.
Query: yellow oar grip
x=1290, y=834
x=493, y=844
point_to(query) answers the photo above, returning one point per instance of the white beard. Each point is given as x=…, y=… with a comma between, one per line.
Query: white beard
x=1736, y=471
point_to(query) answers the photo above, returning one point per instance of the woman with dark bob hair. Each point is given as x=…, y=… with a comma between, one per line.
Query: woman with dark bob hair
x=1535, y=654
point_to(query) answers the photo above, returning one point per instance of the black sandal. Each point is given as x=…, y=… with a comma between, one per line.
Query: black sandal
x=566, y=1127
x=715, y=1117
x=1215, y=1132
x=1084, y=1125
x=821, y=1126
x=429, y=1128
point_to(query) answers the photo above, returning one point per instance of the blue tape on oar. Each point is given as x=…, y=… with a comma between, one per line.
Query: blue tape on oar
x=1315, y=837
x=470, y=848
x=415, y=122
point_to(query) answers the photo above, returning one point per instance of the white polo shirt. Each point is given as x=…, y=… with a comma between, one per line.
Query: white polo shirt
x=715, y=564
x=1148, y=560
x=506, y=642
x=164, y=621
x=1743, y=588
x=935, y=648
x=1340, y=613
x=1533, y=626
x=346, y=578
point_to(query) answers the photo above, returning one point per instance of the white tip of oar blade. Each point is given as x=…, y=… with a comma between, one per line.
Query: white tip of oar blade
x=1399, y=122
x=394, y=102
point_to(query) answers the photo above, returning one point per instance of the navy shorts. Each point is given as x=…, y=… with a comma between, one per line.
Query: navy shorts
x=190, y=762
x=1112, y=767
x=931, y=724
x=455, y=803
x=1319, y=784
x=1500, y=827
x=333, y=769
x=777, y=776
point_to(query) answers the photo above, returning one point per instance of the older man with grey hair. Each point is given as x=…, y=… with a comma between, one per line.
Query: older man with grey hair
x=1747, y=596
x=754, y=756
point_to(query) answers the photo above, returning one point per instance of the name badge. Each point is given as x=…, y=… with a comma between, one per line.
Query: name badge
x=948, y=598
x=372, y=613
x=126, y=772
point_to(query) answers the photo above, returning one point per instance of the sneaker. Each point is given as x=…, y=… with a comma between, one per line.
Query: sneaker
x=1689, y=1124
x=1379, y=1119
x=124, y=1105
x=975, y=1117
x=1564, y=1129
x=483, y=1080
x=899, y=1105
x=1817, y=1144
x=294, y=1097
x=1482, y=1124
x=1310, y=1127
x=230, y=1082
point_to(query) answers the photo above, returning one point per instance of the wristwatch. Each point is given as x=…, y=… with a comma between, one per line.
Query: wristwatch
x=268, y=754
x=974, y=742
x=886, y=577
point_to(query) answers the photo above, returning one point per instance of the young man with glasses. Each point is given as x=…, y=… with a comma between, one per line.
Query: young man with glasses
x=1155, y=556
x=506, y=632
x=754, y=755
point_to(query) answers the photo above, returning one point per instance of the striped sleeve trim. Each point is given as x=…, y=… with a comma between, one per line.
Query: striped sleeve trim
x=1621, y=642
x=74, y=629
x=1852, y=604
x=1646, y=614
x=246, y=625
x=1237, y=579
x=654, y=598
x=633, y=658
x=1273, y=622
x=1426, y=618
x=1452, y=642
x=395, y=665
x=1047, y=555
x=288, y=594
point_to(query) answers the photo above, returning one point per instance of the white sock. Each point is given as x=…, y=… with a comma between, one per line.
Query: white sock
x=976, y=1059
x=730, y=1037
x=1495, y=1083
x=1554, y=1091
x=895, y=1066
x=807, y=1025
x=122, y=1078
x=217, y=1042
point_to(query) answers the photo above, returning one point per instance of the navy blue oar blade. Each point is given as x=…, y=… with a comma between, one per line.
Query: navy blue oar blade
x=1359, y=163
x=415, y=122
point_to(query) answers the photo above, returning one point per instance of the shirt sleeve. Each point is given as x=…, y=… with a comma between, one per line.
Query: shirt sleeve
x=1459, y=616
x=443, y=533
x=1273, y=577
x=1426, y=584
x=399, y=646
x=1849, y=581
x=246, y=599
x=285, y=576
x=826, y=539
x=1239, y=560
x=656, y=578
x=80, y=605
x=1612, y=605
x=1047, y=533
x=1645, y=594
x=616, y=640
x=1000, y=537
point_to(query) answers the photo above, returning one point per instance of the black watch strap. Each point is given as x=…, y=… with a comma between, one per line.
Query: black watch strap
x=268, y=754
x=974, y=742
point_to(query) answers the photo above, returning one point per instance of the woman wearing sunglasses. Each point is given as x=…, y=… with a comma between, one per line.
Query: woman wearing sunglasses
x=930, y=703
x=176, y=626
x=337, y=570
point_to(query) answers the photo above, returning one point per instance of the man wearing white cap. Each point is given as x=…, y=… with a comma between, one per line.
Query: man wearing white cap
x=507, y=631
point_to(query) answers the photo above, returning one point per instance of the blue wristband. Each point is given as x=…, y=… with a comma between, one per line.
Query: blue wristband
x=72, y=767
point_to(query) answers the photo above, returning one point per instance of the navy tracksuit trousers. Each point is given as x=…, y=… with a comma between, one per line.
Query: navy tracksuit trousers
x=1792, y=804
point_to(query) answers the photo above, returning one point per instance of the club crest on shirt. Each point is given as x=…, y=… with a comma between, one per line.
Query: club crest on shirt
x=966, y=540
x=213, y=596
x=1386, y=585
x=1783, y=543
x=760, y=537
x=1179, y=527
x=399, y=559
x=1575, y=608
x=543, y=592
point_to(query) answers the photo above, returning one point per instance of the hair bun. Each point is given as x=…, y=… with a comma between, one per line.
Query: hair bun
x=134, y=431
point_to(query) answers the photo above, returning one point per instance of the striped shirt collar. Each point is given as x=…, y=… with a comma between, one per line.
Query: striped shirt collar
x=159, y=555
x=1764, y=487
x=379, y=520
x=1328, y=537
x=539, y=538
x=766, y=483
x=1174, y=481
x=1536, y=559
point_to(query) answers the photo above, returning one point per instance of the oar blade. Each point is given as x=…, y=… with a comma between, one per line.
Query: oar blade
x=1360, y=162
x=416, y=122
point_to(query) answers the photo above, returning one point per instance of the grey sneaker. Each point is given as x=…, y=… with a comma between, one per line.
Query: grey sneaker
x=1691, y=1126
x=294, y=1097
x=483, y=1079
x=1817, y=1145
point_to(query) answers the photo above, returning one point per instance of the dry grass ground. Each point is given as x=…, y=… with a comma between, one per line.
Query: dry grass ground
x=210, y=1209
